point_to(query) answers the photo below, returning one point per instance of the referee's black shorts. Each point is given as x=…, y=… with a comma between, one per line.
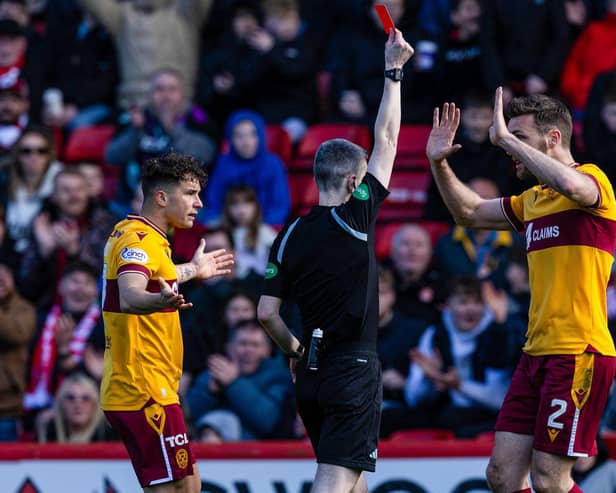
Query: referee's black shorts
x=340, y=406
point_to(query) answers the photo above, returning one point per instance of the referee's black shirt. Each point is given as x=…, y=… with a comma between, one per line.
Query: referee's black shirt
x=326, y=262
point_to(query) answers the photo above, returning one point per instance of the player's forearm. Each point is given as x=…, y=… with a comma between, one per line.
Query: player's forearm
x=186, y=272
x=547, y=170
x=140, y=302
x=461, y=201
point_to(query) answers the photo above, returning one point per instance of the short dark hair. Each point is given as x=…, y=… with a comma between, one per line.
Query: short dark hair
x=477, y=98
x=81, y=266
x=336, y=159
x=170, y=169
x=248, y=324
x=548, y=113
x=464, y=285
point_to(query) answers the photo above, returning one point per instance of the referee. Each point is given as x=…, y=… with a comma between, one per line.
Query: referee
x=325, y=261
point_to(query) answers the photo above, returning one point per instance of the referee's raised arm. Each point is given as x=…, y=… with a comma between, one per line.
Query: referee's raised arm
x=387, y=125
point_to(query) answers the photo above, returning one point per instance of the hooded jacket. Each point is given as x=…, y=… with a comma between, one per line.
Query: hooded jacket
x=264, y=172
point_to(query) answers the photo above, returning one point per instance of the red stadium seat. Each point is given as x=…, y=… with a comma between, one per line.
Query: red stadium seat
x=382, y=238
x=316, y=134
x=88, y=143
x=408, y=193
x=279, y=142
x=411, y=152
x=304, y=192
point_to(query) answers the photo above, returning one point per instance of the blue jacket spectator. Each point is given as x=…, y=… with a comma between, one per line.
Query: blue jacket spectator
x=248, y=162
x=247, y=383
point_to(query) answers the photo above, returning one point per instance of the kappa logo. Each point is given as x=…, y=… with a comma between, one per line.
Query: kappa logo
x=271, y=270
x=134, y=255
x=553, y=433
x=361, y=192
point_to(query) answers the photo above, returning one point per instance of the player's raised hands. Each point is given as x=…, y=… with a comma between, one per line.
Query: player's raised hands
x=440, y=142
x=498, y=130
x=211, y=264
x=397, y=50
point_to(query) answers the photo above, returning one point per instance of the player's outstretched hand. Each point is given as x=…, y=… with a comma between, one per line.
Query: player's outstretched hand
x=498, y=131
x=211, y=264
x=440, y=142
x=397, y=50
x=169, y=298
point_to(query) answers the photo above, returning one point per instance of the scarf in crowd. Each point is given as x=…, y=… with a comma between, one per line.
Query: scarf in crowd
x=40, y=391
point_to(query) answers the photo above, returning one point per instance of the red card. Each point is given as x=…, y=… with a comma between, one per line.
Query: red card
x=388, y=24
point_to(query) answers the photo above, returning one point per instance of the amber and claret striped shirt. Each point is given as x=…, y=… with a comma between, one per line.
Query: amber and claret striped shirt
x=570, y=253
x=143, y=353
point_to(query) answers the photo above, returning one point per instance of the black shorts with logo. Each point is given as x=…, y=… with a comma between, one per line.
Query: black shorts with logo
x=340, y=406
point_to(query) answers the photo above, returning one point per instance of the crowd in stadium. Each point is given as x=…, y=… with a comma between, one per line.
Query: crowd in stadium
x=89, y=89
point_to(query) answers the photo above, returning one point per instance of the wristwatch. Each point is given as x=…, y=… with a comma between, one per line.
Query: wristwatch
x=395, y=74
x=298, y=353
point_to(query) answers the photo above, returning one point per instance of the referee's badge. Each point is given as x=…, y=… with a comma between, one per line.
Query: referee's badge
x=361, y=192
x=271, y=270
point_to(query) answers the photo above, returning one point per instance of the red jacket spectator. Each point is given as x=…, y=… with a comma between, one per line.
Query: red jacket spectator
x=584, y=62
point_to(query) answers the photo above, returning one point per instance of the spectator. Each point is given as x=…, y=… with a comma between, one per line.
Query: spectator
x=27, y=182
x=246, y=382
x=252, y=239
x=8, y=255
x=76, y=417
x=477, y=158
x=81, y=63
x=397, y=335
x=482, y=253
x=17, y=326
x=465, y=357
x=218, y=427
x=583, y=65
x=14, y=107
x=227, y=70
x=248, y=162
x=462, y=50
x=601, y=143
x=524, y=45
x=67, y=334
x=417, y=291
x=69, y=227
x=138, y=28
x=169, y=121
x=19, y=60
x=207, y=337
x=357, y=68
x=286, y=68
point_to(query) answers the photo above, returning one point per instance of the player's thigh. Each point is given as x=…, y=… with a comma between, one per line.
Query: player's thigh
x=361, y=486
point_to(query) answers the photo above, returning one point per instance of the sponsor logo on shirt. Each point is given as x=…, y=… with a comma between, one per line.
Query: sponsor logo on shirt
x=545, y=233
x=271, y=270
x=134, y=255
x=361, y=192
